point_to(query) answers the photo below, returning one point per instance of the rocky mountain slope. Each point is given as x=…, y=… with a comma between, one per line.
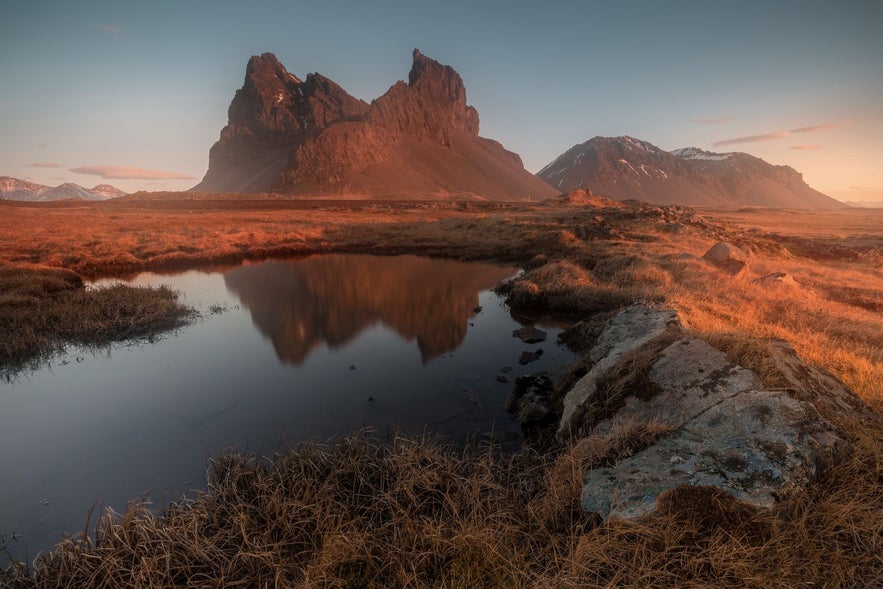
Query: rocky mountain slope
x=628, y=168
x=15, y=189
x=311, y=138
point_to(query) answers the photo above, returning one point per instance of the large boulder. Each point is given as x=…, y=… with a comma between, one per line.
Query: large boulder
x=718, y=426
x=727, y=257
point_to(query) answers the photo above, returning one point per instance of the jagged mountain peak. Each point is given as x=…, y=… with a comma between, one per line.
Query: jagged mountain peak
x=420, y=139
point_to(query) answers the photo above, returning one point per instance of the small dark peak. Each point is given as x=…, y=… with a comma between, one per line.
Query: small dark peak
x=417, y=53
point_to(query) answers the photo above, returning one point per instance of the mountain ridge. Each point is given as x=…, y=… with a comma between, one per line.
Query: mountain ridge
x=628, y=168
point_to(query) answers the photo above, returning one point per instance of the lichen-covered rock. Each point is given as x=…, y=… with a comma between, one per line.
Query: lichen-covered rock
x=721, y=427
x=625, y=333
x=756, y=445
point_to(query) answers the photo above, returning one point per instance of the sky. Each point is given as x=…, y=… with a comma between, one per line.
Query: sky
x=135, y=93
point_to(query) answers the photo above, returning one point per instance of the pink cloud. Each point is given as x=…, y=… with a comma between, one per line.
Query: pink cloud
x=804, y=147
x=812, y=129
x=130, y=173
x=752, y=138
x=771, y=136
x=45, y=165
x=712, y=120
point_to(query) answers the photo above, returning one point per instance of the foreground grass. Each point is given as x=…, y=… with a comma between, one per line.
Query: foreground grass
x=415, y=513
x=43, y=309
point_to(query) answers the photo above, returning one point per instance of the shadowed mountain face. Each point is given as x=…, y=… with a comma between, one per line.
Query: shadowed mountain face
x=331, y=299
x=627, y=168
x=311, y=138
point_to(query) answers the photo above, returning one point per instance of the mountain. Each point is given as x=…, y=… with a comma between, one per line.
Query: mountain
x=311, y=138
x=628, y=168
x=15, y=189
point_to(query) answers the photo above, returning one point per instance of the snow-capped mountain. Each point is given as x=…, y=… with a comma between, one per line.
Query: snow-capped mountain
x=628, y=168
x=15, y=189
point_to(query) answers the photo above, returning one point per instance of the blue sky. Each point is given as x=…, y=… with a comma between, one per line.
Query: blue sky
x=145, y=86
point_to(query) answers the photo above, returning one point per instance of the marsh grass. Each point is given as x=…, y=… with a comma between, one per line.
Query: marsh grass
x=44, y=309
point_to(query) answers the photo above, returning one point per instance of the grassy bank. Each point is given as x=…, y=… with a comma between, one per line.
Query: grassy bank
x=44, y=309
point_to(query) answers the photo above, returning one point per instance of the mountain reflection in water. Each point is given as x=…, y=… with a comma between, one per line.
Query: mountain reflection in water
x=332, y=298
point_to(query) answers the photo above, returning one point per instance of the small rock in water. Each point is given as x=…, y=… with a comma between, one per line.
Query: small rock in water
x=506, y=369
x=352, y=366
x=502, y=378
x=529, y=401
x=530, y=335
x=477, y=309
x=528, y=357
x=370, y=399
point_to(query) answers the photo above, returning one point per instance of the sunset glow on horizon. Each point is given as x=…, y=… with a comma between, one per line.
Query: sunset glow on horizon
x=135, y=95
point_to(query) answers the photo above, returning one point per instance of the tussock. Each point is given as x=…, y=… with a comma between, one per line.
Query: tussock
x=43, y=309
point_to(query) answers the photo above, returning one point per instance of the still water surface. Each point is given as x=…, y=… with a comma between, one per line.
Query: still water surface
x=284, y=352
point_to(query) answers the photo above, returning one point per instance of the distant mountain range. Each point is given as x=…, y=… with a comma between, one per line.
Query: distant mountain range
x=628, y=168
x=15, y=189
x=310, y=138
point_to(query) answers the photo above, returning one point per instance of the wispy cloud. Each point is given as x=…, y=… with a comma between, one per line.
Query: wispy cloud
x=45, y=165
x=129, y=173
x=772, y=136
x=752, y=138
x=805, y=147
x=112, y=29
x=812, y=129
x=712, y=120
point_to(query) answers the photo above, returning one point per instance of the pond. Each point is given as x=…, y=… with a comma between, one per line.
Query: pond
x=283, y=352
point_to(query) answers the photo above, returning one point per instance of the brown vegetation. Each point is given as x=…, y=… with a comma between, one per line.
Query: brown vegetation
x=42, y=309
x=415, y=513
x=418, y=514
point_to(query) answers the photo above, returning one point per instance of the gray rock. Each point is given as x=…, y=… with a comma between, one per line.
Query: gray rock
x=776, y=279
x=625, y=333
x=716, y=424
x=727, y=257
x=756, y=445
x=530, y=335
x=689, y=377
x=528, y=357
x=530, y=401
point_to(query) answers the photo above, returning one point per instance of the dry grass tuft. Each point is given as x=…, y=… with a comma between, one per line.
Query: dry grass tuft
x=42, y=309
